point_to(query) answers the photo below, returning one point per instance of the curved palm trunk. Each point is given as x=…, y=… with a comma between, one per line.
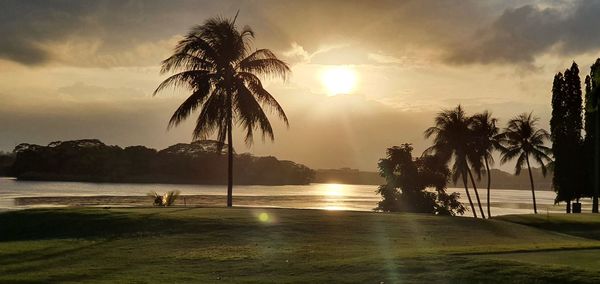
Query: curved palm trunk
x=229, y=157
x=464, y=175
x=489, y=183
x=476, y=193
x=532, y=188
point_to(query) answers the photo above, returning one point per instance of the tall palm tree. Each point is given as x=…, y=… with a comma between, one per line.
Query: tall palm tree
x=451, y=142
x=522, y=139
x=485, y=133
x=216, y=62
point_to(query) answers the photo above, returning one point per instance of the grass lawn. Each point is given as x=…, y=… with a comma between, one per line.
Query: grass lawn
x=206, y=245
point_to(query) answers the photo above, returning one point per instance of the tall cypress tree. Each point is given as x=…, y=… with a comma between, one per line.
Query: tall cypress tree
x=557, y=133
x=592, y=123
x=566, y=126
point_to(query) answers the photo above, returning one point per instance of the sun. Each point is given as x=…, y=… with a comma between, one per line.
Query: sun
x=340, y=80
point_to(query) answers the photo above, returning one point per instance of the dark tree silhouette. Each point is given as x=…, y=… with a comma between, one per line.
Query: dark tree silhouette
x=407, y=180
x=566, y=125
x=592, y=127
x=521, y=139
x=485, y=134
x=452, y=136
x=196, y=163
x=216, y=63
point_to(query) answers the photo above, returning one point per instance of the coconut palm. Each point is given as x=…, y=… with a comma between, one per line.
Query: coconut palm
x=522, y=139
x=451, y=142
x=485, y=133
x=216, y=63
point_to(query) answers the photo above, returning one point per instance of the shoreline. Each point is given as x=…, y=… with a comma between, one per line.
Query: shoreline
x=282, y=201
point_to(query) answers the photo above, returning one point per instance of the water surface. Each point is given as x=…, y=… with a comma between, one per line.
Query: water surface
x=313, y=196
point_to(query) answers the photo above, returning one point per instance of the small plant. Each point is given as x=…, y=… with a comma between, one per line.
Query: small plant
x=164, y=200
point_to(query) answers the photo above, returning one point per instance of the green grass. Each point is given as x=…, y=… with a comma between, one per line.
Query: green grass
x=140, y=245
x=584, y=225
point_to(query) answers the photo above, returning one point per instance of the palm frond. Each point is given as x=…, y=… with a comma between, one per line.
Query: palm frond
x=508, y=154
x=255, y=86
x=520, y=162
x=212, y=116
x=188, y=79
x=250, y=115
x=196, y=99
x=431, y=131
x=270, y=67
x=185, y=61
x=194, y=44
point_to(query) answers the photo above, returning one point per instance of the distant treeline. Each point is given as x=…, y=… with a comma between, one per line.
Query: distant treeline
x=197, y=163
x=348, y=176
x=501, y=180
x=6, y=161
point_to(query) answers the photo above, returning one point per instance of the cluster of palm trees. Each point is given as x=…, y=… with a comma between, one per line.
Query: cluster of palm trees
x=469, y=142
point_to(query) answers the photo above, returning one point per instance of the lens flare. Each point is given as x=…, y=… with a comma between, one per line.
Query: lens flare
x=263, y=217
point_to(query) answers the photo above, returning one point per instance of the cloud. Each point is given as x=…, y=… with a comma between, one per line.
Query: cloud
x=35, y=31
x=26, y=25
x=83, y=90
x=106, y=33
x=521, y=34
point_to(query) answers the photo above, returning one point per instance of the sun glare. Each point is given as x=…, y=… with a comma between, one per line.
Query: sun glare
x=333, y=189
x=339, y=80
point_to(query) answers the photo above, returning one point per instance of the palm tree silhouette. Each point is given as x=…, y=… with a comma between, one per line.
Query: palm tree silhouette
x=216, y=63
x=521, y=139
x=485, y=133
x=451, y=142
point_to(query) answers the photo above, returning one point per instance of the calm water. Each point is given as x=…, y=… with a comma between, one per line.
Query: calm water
x=319, y=196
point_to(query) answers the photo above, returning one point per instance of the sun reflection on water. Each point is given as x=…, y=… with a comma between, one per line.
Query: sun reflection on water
x=334, y=208
x=333, y=190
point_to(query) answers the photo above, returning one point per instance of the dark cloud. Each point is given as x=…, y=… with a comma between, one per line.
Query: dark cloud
x=26, y=25
x=521, y=34
x=22, y=51
x=31, y=29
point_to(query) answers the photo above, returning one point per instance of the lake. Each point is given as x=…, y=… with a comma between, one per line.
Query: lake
x=313, y=196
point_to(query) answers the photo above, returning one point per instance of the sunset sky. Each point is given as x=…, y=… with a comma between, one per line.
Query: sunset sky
x=87, y=69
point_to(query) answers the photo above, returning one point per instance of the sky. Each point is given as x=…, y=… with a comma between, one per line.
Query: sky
x=87, y=69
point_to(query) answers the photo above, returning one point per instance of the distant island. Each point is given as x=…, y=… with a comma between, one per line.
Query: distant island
x=199, y=162
x=501, y=180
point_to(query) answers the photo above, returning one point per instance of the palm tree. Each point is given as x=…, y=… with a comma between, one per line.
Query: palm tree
x=521, y=139
x=486, y=141
x=451, y=142
x=216, y=63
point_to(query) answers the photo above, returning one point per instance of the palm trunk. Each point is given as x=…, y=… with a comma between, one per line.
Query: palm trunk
x=489, y=183
x=464, y=175
x=532, y=188
x=230, y=158
x=476, y=193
